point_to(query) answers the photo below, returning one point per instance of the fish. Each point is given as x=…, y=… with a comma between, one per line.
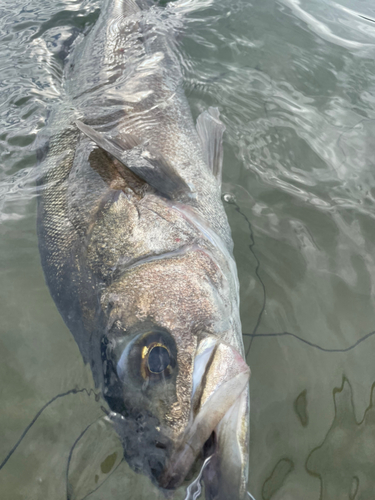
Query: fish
x=137, y=250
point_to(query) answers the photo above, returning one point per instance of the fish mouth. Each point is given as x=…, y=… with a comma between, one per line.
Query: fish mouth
x=218, y=426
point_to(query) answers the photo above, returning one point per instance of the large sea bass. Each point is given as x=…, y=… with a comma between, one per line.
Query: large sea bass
x=137, y=251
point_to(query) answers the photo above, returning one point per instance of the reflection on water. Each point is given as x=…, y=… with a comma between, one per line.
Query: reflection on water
x=294, y=82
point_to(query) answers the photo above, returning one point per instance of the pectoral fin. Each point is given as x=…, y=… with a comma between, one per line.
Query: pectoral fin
x=210, y=130
x=147, y=164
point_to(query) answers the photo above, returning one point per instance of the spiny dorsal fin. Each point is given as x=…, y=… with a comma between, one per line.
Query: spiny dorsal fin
x=147, y=164
x=210, y=130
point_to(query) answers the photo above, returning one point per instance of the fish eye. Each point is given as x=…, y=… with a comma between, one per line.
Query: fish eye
x=150, y=357
x=158, y=359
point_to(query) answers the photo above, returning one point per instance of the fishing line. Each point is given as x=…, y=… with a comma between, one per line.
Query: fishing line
x=311, y=344
x=230, y=199
x=61, y=395
x=70, y=456
x=68, y=493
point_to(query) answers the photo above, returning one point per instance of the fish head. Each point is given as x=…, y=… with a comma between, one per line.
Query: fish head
x=178, y=393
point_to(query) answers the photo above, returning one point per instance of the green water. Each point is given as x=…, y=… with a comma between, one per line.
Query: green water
x=295, y=83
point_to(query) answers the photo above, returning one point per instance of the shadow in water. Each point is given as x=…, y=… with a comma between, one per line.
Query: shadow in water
x=336, y=461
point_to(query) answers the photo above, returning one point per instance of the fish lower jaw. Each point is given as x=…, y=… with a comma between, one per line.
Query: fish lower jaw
x=192, y=453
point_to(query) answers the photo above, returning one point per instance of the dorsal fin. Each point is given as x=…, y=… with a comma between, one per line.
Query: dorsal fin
x=210, y=130
x=148, y=165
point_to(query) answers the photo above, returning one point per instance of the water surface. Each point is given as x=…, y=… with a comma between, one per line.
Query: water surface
x=295, y=84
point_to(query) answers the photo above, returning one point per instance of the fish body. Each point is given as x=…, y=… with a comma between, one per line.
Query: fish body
x=137, y=251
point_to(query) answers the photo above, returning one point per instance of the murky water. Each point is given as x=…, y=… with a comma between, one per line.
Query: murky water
x=295, y=83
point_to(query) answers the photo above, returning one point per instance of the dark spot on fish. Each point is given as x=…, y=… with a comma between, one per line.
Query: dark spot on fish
x=156, y=467
x=209, y=446
x=109, y=309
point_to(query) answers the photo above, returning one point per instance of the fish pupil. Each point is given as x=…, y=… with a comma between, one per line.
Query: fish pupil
x=158, y=359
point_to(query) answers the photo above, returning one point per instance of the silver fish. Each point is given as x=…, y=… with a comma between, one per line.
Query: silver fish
x=137, y=251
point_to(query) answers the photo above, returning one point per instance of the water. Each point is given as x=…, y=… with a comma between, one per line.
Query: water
x=294, y=81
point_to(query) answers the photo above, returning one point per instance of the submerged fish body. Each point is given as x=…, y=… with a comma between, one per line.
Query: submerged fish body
x=137, y=251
